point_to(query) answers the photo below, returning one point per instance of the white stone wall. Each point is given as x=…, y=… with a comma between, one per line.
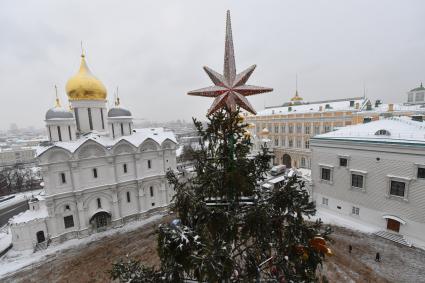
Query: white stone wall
x=96, y=107
x=24, y=236
x=379, y=163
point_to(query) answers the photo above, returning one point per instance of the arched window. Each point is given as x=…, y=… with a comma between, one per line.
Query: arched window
x=383, y=132
x=67, y=207
x=99, y=203
x=128, y=196
x=151, y=190
x=94, y=173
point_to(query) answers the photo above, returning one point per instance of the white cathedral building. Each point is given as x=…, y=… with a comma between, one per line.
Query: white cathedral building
x=99, y=172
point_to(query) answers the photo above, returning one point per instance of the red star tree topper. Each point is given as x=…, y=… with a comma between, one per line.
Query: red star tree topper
x=230, y=89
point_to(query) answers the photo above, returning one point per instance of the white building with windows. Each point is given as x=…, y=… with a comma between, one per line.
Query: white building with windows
x=416, y=95
x=374, y=172
x=98, y=171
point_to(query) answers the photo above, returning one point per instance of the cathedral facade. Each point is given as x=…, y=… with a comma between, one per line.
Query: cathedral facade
x=99, y=172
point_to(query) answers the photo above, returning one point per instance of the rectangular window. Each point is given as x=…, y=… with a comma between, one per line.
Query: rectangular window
x=419, y=97
x=63, y=178
x=151, y=190
x=122, y=129
x=326, y=174
x=291, y=129
x=276, y=129
x=94, y=173
x=397, y=188
x=316, y=130
x=282, y=128
x=307, y=130
x=69, y=133
x=113, y=131
x=101, y=117
x=355, y=210
x=299, y=129
x=307, y=144
x=356, y=181
x=50, y=133
x=327, y=128
x=298, y=143
x=421, y=173
x=149, y=164
x=128, y=196
x=90, y=119
x=68, y=221
x=343, y=162
x=291, y=143
x=325, y=201
x=77, y=119
x=153, y=204
x=276, y=142
x=124, y=168
x=283, y=141
x=99, y=203
x=59, y=133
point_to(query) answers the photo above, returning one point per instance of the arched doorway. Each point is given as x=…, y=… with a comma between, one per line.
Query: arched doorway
x=40, y=237
x=286, y=160
x=393, y=223
x=100, y=219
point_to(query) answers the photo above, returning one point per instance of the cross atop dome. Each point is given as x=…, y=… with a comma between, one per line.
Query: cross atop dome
x=229, y=89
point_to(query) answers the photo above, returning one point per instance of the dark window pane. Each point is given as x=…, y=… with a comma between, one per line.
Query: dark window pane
x=421, y=172
x=68, y=221
x=326, y=174
x=397, y=188
x=343, y=162
x=357, y=181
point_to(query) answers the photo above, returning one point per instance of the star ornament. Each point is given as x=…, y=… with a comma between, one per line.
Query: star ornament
x=229, y=89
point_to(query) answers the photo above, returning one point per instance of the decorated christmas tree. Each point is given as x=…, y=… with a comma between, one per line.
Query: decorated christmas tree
x=228, y=228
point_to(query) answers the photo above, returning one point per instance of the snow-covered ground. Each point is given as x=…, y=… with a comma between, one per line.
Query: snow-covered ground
x=19, y=197
x=5, y=238
x=13, y=260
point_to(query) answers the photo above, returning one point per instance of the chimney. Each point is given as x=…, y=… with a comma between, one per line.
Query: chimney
x=357, y=105
x=320, y=108
x=390, y=107
x=351, y=103
x=377, y=103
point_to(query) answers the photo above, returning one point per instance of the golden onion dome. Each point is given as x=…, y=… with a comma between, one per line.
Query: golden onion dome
x=296, y=97
x=84, y=85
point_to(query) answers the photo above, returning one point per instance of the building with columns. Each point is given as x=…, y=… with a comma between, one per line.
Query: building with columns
x=292, y=125
x=99, y=172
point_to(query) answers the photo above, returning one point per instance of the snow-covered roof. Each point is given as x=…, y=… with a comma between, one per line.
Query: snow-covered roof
x=136, y=138
x=30, y=215
x=333, y=105
x=390, y=130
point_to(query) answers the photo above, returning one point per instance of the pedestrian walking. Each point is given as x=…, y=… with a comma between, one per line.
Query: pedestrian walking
x=377, y=257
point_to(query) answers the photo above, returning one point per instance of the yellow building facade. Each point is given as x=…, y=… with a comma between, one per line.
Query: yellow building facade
x=291, y=125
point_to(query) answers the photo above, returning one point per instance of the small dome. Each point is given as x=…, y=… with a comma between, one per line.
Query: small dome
x=421, y=87
x=84, y=85
x=58, y=113
x=118, y=112
x=296, y=97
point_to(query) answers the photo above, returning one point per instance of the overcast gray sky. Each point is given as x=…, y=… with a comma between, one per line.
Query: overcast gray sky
x=154, y=51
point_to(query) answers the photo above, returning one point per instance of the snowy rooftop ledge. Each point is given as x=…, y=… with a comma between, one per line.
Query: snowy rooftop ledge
x=394, y=130
x=136, y=139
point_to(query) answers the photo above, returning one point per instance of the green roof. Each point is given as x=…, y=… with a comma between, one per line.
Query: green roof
x=419, y=88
